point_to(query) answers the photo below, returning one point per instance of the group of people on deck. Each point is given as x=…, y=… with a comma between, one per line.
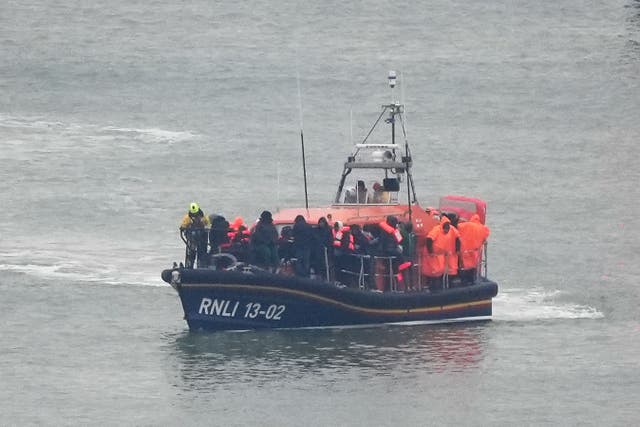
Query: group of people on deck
x=453, y=248
x=338, y=252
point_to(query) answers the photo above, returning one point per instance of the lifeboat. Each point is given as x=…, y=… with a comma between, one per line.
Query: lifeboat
x=358, y=280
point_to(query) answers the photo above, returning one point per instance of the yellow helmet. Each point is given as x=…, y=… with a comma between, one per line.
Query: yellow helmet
x=194, y=208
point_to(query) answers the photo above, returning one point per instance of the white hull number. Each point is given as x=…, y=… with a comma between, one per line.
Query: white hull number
x=252, y=310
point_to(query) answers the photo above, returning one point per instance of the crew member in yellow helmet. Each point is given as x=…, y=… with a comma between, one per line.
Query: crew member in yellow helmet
x=193, y=230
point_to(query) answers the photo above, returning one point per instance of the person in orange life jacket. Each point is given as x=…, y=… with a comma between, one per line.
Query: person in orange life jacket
x=192, y=229
x=335, y=229
x=343, y=247
x=390, y=238
x=343, y=242
x=263, y=245
x=442, y=246
x=337, y=226
x=473, y=234
x=239, y=237
x=238, y=230
x=303, y=240
x=218, y=237
x=336, y=253
x=391, y=246
x=233, y=227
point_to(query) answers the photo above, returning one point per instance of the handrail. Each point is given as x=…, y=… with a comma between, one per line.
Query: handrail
x=369, y=271
x=392, y=283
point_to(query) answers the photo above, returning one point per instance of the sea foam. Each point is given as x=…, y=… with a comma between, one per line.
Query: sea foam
x=538, y=304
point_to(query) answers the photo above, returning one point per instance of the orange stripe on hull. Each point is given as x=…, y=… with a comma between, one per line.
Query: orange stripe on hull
x=382, y=311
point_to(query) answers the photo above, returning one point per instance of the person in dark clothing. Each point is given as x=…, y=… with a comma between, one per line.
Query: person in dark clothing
x=324, y=233
x=303, y=241
x=285, y=243
x=322, y=250
x=408, y=251
x=363, y=241
x=408, y=239
x=218, y=238
x=263, y=245
x=361, y=261
x=361, y=192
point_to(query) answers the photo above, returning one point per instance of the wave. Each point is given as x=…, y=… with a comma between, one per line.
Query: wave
x=538, y=304
x=39, y=125
x=43, y=267
x=154, y=134
x=7, y=121
x=57, y=272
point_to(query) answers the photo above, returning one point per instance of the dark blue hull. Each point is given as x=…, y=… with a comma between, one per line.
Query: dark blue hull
x=230, y=300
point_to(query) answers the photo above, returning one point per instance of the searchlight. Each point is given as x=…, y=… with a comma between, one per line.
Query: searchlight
x=392, y=79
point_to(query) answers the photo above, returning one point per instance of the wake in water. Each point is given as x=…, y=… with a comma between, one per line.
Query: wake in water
x=38, y=125
x=538, y=304
x=82, y=269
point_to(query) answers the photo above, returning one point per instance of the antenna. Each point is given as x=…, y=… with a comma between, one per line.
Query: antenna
x=304, y=164
x=407, y=153
x=404, y=110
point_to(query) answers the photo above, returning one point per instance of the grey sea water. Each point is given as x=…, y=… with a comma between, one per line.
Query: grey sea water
x=114, y=116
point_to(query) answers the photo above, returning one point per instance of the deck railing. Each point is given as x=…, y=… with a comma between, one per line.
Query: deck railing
x=379, y=273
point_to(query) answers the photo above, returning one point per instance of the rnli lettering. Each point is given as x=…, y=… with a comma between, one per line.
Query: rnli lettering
x=216, y=307
x=252, y=310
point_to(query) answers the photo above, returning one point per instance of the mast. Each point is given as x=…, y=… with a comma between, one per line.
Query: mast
x=398, y=109
x=394, y=106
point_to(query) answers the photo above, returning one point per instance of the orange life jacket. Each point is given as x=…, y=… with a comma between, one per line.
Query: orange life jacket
x=391, y=230
x=337, y=238
x=235, y=233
